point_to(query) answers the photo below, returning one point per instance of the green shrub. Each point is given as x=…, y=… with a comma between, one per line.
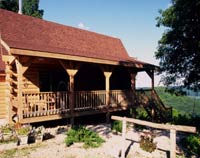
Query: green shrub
x=6, y=129
x=186, y=119
x=7, y=134
x=23, y=130
x=180, y=119
x=10, y=139
x=117, y=126
x=192, y=144
x=142, y=114
x=81, y=134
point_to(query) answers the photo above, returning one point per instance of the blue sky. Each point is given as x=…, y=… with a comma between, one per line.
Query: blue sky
x=133, y=21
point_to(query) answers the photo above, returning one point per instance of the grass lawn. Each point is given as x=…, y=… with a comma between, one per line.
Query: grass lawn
x=184, y=104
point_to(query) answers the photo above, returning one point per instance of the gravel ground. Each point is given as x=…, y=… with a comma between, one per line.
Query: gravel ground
x=55, y=147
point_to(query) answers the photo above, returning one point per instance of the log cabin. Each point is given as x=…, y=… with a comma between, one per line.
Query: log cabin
x=50, y=71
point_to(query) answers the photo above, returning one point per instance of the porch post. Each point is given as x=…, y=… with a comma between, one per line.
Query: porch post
x=133, y=81
x=151, y=75
x=152, y=80
x=107, y=78
x=19, y=88
x=133, y=88
x=71, y=73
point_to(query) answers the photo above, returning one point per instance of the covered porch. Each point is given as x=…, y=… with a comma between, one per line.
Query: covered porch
x=44, y=88
x=45, y=106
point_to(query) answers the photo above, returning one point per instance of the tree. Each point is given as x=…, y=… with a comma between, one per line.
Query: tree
x=179, y=47
x=11, y=5
x=30, y=7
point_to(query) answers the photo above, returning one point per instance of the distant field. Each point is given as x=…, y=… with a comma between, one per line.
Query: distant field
x=184, y=104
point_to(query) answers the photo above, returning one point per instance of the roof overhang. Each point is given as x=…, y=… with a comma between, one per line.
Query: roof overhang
x=139, y=65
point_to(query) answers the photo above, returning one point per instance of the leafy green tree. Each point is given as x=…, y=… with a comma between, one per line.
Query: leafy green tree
x=11, y=5
x=179, y=47
x=30, y=7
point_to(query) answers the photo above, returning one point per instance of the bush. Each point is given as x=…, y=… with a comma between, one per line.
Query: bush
x=81, y=134
x=186, y=119
x=192, y=144
x=7, y=134
x=180, y=119
x=142, y=114
x=146, y=142
x=6, y=129
x=117, y=126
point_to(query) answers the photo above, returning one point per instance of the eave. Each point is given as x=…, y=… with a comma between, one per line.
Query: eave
x=17, y=51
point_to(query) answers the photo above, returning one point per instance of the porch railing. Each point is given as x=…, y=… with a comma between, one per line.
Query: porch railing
x=54, y=103
x=121, y=98
x=51, y=103
x=45, y=103
x=87, y=100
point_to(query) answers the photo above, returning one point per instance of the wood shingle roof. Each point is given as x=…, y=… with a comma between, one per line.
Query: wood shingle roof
x=29, y=33
x=25, y=32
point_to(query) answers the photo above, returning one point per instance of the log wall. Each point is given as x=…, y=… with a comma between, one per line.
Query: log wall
x=3, y=107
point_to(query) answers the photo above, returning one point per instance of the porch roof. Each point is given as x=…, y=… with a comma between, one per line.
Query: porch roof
x=29, y=33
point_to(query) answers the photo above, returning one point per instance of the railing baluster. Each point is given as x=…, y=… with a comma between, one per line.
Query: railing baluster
x=43, y=103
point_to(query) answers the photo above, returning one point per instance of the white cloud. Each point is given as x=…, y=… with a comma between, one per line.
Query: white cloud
x=83, y=26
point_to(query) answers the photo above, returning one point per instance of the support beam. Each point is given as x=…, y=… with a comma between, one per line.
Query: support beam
x=107, y=79
x=71, y=70
x=19, y=87
x=71, y=73
x=133, y=75
x=133, y=80
x=8, y=58
x=151, y=75
x=28, y=64
x=4, y=44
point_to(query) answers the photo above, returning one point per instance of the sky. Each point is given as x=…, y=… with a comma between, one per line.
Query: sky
x=132, y=21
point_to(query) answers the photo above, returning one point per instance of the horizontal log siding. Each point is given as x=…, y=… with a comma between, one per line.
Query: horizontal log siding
x=3, y=105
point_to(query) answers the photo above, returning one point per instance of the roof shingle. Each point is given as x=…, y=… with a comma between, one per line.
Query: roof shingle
x=25, y=32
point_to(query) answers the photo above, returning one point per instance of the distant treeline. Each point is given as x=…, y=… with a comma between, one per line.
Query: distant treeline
x=183, y=91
